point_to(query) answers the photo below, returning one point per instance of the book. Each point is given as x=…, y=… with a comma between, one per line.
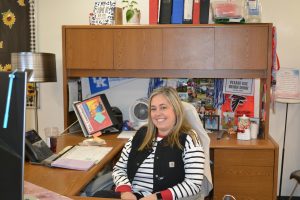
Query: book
x=81, y=157
x=204, y=11
x=177, y=12
x=165, y=11
x=153, y=11
x=196, y=12
x=188, y=11
x=94, y=114
x=103, y=13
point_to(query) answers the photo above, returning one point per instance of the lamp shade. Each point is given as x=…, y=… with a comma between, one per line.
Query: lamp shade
x=41, y=67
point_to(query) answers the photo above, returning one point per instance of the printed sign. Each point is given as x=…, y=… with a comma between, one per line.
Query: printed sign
x=239, y=86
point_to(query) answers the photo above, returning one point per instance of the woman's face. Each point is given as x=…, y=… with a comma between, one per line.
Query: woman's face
x=162, y=114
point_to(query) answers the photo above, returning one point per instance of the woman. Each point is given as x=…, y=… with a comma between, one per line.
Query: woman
x=164, y=160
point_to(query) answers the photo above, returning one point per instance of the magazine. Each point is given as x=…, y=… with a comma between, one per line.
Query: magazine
x=94, y=114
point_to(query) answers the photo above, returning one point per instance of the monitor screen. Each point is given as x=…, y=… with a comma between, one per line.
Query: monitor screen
x=12, y=137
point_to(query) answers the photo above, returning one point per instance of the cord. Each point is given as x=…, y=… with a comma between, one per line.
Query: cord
x=68, y=128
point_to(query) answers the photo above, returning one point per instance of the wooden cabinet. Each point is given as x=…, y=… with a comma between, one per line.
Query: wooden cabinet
x=89, y=49
x=245, y=174
x=249, y=45
x=246, y=169
x=138, y=48
x=188, y=48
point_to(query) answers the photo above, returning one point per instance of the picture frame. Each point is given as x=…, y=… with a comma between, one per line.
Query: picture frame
x=212, y=122
x=94, y=114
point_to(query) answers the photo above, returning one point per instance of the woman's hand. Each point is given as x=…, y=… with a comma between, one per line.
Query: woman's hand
x=128, y=196
x=149, y=197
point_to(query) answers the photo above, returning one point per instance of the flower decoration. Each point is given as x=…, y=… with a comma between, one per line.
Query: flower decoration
x=5, y=68
x=21, y=2
x=8, y=18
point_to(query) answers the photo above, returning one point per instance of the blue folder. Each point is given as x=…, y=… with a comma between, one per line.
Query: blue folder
x=177, y=12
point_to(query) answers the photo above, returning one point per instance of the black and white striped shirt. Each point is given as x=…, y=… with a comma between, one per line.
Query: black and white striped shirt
x=193, y=158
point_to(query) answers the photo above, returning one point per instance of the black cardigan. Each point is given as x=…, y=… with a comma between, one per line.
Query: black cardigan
x=168, y=162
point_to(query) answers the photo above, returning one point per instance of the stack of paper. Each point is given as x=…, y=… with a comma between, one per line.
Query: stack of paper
x=81, y=157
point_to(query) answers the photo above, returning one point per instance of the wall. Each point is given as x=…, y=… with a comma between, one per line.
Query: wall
x=52, y=14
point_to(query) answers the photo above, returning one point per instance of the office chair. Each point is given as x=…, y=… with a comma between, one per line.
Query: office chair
x=295, y=175
x=192, y=117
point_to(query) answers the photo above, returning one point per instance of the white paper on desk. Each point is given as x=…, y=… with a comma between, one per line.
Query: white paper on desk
x=83, y=165
x=126, y=134
x=88, y=153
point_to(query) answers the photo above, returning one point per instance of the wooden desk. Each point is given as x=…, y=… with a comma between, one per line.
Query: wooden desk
x=244, y=169
x=70, y=182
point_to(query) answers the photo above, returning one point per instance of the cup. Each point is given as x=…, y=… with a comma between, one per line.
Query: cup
x=51, y=137
x=254, y=130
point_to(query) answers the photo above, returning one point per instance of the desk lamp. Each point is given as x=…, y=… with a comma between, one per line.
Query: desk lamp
x=40, y=67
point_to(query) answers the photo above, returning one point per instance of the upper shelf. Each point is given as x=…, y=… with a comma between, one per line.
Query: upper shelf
x=203, y=51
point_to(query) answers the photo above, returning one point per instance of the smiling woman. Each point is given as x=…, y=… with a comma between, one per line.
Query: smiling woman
x=165, y=146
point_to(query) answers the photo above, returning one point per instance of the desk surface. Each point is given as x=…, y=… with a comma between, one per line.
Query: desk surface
x=70, y=182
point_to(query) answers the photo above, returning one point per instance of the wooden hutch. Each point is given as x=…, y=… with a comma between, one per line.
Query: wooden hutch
x=245, y=169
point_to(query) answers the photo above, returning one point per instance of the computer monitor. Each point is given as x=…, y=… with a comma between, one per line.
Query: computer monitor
x=12, y=137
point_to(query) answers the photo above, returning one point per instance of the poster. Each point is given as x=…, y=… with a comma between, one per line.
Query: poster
x=288, y=83
x=238, y=105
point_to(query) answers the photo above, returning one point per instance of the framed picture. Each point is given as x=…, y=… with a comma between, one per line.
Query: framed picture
x=211, y=122
x=94, y=114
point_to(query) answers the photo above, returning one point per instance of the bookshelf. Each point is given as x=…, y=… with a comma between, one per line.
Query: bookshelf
x=184, y=51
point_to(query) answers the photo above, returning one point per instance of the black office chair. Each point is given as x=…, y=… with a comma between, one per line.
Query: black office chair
x=296, y=176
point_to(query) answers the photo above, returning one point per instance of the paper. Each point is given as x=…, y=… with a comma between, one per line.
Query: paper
x=88, y=153
x=288, y=83
x=126, y=134
x=239, y=87
x=81, y=157
x=73, y=164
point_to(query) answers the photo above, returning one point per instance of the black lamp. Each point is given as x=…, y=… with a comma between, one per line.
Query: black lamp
x=40, y=67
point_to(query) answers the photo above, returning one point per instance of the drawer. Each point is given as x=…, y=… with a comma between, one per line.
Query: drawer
x=244, y=157
x=244, y=182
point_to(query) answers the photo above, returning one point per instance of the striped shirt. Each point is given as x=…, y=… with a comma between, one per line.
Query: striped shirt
x=193, y=158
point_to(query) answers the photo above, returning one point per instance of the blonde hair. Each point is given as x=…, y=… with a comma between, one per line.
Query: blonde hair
x=181, y=125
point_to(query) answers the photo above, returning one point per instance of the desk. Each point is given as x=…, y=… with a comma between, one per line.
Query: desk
x=244, y=169
x=241, y=168
x=70, y=182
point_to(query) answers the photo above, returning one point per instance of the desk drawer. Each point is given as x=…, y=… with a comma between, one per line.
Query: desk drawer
x=243, y=157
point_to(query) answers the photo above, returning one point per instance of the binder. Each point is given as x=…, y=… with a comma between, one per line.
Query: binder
x=188, y=12
x=177, y=12
x=165, y=12
x=196, y=12
x=153, y=11
x=204, y=11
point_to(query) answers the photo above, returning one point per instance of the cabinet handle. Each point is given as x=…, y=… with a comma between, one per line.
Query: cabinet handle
x=228, y=197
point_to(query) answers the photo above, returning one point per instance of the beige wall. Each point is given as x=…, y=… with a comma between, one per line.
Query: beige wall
x=52, y=14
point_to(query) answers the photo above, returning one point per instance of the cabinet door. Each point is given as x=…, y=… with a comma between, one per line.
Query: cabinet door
x=241, y=47
x=245, y=174
x=188, y=48
x=89, y=49
x=138, y=49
